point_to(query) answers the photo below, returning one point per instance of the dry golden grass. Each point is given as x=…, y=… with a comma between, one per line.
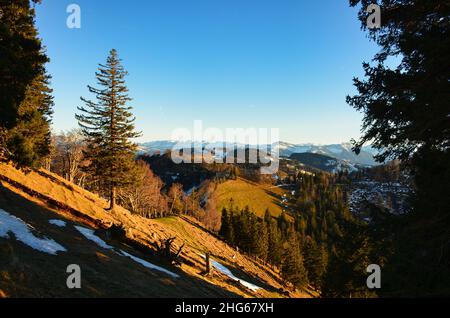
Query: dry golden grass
x=82, y=206
x=258, y=197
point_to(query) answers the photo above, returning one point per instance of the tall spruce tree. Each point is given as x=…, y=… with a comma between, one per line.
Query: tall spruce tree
x=108, y=126
x=25, y=96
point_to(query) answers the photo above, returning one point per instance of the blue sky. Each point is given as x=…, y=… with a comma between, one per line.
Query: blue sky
x=284, y=64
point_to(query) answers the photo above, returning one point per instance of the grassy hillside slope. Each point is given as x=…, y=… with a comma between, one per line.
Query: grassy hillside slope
x=257, y=196
x=37, y=197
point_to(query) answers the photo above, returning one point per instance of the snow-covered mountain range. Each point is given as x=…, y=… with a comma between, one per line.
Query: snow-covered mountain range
x=341, y=151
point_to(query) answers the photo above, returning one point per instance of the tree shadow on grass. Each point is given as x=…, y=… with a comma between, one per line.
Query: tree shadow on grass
x=104, y=273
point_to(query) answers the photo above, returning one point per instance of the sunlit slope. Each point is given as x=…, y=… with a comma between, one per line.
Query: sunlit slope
x=37, y=197
x=258, y=197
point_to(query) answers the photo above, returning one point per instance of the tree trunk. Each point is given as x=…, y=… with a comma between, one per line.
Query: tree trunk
x=112, y=199
x=171, y=207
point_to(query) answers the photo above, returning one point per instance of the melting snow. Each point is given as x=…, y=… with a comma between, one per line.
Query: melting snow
x=22, y=232
x=227, y=272
x=89, y=234
x=58, y=223
x=224, y=270
x=149, y=265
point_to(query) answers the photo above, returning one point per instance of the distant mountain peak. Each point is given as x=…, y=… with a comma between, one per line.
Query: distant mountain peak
x=342, y=151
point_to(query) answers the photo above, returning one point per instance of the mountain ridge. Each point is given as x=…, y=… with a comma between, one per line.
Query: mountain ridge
x=342, y=151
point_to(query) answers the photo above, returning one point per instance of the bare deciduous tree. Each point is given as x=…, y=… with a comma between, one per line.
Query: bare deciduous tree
x=176, y=198
x=144, y=197
x=68, y=155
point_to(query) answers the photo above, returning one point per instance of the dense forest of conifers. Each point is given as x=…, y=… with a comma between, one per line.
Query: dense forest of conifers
x=320, y=244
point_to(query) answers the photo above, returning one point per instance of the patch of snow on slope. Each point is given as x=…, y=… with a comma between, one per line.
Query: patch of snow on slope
x=22, y=232
x=58, y=223
x=224, y=270
x=149, y=265
x=89, y=234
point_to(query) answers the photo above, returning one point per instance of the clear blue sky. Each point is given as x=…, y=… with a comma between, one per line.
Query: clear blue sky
x=285, y=64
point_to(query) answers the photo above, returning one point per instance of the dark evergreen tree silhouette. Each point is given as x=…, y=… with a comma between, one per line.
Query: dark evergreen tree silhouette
x=25, y=96
x=406, y=116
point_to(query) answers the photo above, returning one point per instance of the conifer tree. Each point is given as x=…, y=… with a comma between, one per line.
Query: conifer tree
x=262, y=240
x=224, y=224
x=283, y=224
x=28, y=142
x=108, y=126
x=292, y=268
x=231, y=234
x=255, y=238
x=346, y=273
x=226, y=228
x=275, y=244
x=25, y=96
x=267, y=217
x=245, y=230
x=315, y=261
x=406, y=116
